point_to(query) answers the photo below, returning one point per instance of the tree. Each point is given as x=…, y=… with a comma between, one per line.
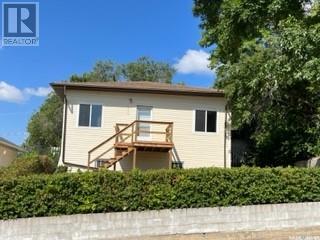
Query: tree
x=146, y=69
x=143, y=69
x=229, y=24
x=45, y=126
x=268, y=63
x=103, y=71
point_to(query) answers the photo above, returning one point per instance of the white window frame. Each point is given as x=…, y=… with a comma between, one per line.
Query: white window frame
x=90, y=114
x=206, y=121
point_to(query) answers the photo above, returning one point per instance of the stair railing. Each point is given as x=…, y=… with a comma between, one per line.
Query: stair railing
x=115, y=136
x=121, y=136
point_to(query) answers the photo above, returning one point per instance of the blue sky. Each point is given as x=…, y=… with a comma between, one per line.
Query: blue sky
x=75, y=34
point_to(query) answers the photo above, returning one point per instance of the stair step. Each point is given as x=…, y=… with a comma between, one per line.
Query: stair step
x=122, y=156
x=106, y=160
x=111, y=161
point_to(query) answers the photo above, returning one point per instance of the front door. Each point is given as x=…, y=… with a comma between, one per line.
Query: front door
x=144, y=113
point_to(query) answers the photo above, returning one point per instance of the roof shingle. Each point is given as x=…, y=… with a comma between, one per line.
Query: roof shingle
x=139, y=86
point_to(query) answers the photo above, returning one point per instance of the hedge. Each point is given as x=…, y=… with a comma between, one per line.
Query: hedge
x=106, y=191
x=28, y=164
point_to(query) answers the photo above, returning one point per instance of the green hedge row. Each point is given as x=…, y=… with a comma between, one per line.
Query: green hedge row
x=28, y=164
x=135, y=191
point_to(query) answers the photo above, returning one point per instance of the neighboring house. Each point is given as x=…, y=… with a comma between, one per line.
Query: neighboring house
x=8, y=152
x=126, y=125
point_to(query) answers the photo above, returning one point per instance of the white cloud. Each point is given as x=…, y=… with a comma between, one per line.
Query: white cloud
x=194, y=61
x=39, y=92
x=10, y=93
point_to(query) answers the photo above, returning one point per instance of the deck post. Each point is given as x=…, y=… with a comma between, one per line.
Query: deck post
x=136, y=132
x=134, y=158
x=170, y=159
x=117, y=137
x=171, y=131
x=132, y=133
x=89, y=156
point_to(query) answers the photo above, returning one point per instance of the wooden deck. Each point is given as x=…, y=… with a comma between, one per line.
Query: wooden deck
x=151, y=146
x=127, y=140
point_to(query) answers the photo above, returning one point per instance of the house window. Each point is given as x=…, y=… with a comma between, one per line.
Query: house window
x=90, y=115
x=177, y=165
x=205, y=121
x=99, y=163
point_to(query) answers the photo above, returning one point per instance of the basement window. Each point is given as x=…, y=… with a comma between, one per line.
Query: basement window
x=177, y=165
x=90, y=115
x=205, y=121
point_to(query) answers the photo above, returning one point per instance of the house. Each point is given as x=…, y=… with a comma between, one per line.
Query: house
x=145, y=125
x=8, y=152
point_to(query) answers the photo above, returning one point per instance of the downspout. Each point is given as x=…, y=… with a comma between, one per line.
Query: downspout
x=65, y=102
x=225, y=136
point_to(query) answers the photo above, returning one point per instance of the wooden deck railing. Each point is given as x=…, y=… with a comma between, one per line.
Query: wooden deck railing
x=161, y=132
x=164, y=131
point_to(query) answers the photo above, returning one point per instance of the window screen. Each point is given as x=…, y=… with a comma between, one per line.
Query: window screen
x=84, y=115
x=200, y=120
x=211, y=121
x=90, y=115
x=96, y=115
x=206, y=121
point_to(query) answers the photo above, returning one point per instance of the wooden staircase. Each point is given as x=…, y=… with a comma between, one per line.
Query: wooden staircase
x=125, y=141
x=109, y=162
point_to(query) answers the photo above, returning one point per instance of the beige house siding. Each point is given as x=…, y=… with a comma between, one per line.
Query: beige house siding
x=7, y=155
x=145, y=161
x=192, y=148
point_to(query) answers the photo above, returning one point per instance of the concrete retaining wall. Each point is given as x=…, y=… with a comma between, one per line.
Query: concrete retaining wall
x=165, y=222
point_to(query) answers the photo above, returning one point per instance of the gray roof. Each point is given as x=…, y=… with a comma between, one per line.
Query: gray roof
x=139, y=87
x=7, y=143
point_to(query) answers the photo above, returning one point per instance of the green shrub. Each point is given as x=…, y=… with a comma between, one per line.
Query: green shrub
x=61, y=169
x=106, y=191
x=28, y=164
